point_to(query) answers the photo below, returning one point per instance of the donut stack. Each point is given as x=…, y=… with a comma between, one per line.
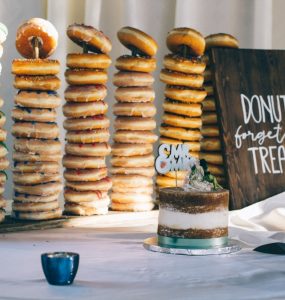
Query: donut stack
x=132, y=152
x=87, y=182
x=37, y=150
x=183, y=74
x=4, y=163
x=211, y=143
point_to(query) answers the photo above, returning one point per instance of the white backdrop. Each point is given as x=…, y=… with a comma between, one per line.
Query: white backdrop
x=256, y=23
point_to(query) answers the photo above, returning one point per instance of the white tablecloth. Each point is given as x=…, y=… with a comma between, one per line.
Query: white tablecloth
x=114, y=264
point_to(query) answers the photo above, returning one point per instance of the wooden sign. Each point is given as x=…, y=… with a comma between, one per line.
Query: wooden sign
x=250, y=97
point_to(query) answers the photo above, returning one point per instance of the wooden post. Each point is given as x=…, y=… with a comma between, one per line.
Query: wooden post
x=36, y=47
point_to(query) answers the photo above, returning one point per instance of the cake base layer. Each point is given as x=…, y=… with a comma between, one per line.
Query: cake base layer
x=173, y=242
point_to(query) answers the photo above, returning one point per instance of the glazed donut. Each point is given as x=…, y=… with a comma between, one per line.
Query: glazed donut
x=133, y=38
x=34, y=198
x=3, y=135
x=3, y=177
x=35, y=130
x=135, y=63
x=80, y=197
x=211, y=144
x=144, y=171
x=88, y=136
x=135, y=207
x=89, y=123
x=193, y=146
x=85, y=76
x=3, y=150
x=221, y=40
x=3, y=33
x=37, y=167
x=86, y=93
x=85, y=162
x=131, y=149
x=4, y=163
x=209, y=89
x=131, y=181
x=147, y=190
x=209, y=118
x=134, y=123
x=35, y=66
x=33, y=115
x=34, y=206
x=27, y=157
x=88, y=109
x=35, y=99
x=182, y=64
x=85, y=175
x=125, y=198
x=164, y=181
x=207, y=75
x=41, y=29
x=184, y=109
x=210, y=131
x=101, y=185
x=180, y=133
x=93, y=39
x=44, y=189
x=88, y=61
x=129, y=79
x=133, y=161
x=36, y=146
x=98, y=208
x=135, y=137
x=209, y=104
x=214, y=158
x=34, y=178
x=134, y=94
x=216, y=170
x=38, y=216
x=181, y=79
x=96, y=149
x=2, y=119
x=134, y=109
x=185, y=94
x=180, y=121
x=191, y=38
x=37, y=83
x=179, y=174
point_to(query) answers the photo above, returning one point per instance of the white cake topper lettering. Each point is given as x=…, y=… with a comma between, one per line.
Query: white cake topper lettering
x=173, y=158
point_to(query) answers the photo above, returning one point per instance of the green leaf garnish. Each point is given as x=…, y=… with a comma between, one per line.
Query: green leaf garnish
x=4, y=145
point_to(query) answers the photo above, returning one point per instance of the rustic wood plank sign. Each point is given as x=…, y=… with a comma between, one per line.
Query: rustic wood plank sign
x=250, y=95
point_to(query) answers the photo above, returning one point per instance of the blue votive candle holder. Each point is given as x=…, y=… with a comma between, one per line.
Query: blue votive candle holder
x=60, y=268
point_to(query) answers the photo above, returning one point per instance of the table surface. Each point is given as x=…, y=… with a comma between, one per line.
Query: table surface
x=114, y=265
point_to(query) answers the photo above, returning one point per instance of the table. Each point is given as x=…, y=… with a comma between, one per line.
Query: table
x=114, y=265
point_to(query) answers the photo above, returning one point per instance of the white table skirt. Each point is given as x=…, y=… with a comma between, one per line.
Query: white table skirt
x=114, y=264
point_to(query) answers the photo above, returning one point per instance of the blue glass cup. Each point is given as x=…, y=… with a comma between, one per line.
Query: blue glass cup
x=60, y=268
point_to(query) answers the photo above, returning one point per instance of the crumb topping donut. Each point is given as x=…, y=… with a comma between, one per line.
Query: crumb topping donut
x=36, y=146
x=133, y=161
x=135, y=137
x=27, y=157
x=134, y=123
x=211, y=144
x=85, y=76
x=133, y=38
x=37, y=83
x=83, y=162
x=40, y=28
x=36, y=167
x=191, y=38
x=88, y=136
x=23, y=198
x=93, y=39
x=185, y=94
x=88, y=123
x=134, y=94
x=131, y=149
x=85, y=175
x=88, y=109
x=35, y=66
x=34, y=206
x=34, y=178
x=95, y=149
x=35, y=130
x=221, y=40
x=86, y=93
x=88, y=61
x=209, y=104
x=135, y=63
x=33, y=114
x=101, y=185
x=178, y=63
x=180, y=133
x=210, y=131
x=181, y=79
x=144, y=171
x=180, y=121
x=134, y=109
x=79, y=197
x=130, y=79
x=36, y=99
x=184, y=109
x=43, y=189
